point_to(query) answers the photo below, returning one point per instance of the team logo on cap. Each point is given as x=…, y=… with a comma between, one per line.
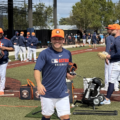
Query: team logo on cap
x=57, y=31
x=25, y=93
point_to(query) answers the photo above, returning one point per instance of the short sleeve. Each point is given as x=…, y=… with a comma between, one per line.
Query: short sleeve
x=70, y=59
x=40, y=61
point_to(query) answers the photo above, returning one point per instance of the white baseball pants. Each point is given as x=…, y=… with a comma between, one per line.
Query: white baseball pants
x=3, y=68
x=22, y=52
x=32, y=50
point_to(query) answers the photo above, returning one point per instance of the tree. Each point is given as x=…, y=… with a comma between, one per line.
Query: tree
x=93, y=14
x=109, y=16
x=117, y=11
x=20, y=18
x=42, y=15
x=64, y=21
x=5, y=23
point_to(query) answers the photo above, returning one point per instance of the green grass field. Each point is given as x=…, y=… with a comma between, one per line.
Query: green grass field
x=12, y=58
x=89, y=65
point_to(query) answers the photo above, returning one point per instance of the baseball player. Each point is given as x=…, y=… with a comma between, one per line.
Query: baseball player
x=5, y=37
x=5, y=46
x=94, y=40
x=114, y=67
x=109, y=41
x=22, y=48
x=33, y=44
x=14, y=40
x=89, y=39
x=84, y=39
x=27, y=45
x=52, y=62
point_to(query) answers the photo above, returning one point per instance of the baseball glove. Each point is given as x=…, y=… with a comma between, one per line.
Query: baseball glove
x=102, y=55
x=71, y=67
x=1, y=54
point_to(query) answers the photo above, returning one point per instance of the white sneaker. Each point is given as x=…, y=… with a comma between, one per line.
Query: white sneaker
x=116, y=89
x=104, y=88
x=106, y=102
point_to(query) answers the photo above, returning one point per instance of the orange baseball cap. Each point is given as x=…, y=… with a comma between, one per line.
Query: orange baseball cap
x=28, y=33
x=22, y=32
x=1, y=30
x=115, y=27
x=109, y=26
x=33, y=33
x=57, y=33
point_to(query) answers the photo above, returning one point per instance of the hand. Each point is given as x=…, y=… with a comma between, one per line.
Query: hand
x=32, y=44
x=106, y=60
x=3, y=48
x=15, y=43
x=108, y=56
x=70, y=77
x=41, y=89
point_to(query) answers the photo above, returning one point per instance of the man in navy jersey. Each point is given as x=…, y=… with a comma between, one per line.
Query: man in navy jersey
x=22, y=48
x=5, y=45
x=14, y=41
x=53, y=62
x=84, y=39
x=109, y=41
x=114, y=67
x=94, y=40
x=27, y=45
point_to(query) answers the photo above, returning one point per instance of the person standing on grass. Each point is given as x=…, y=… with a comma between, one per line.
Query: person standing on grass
x=52, y=63
x=27, y=45
x=33, y=45
x=94, y=40
x=109, y=42
x=22, y=49
x=14, y=41
x=114, y=67
x=84, y=39
x=89, y=39
x=6, y=46
x=75, y=38
x=78, y=38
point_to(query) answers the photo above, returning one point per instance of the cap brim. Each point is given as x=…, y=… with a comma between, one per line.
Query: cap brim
x=106, y=27
x=57, y=36
x=111, y=28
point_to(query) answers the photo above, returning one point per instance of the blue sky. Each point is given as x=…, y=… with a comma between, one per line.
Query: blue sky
x=63, y=6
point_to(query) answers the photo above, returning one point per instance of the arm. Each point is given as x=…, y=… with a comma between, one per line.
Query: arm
x=24, y=39
x=36, y=42
x=40, y=88
x=37, y=73
x=7, y=48
x=117, y=54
